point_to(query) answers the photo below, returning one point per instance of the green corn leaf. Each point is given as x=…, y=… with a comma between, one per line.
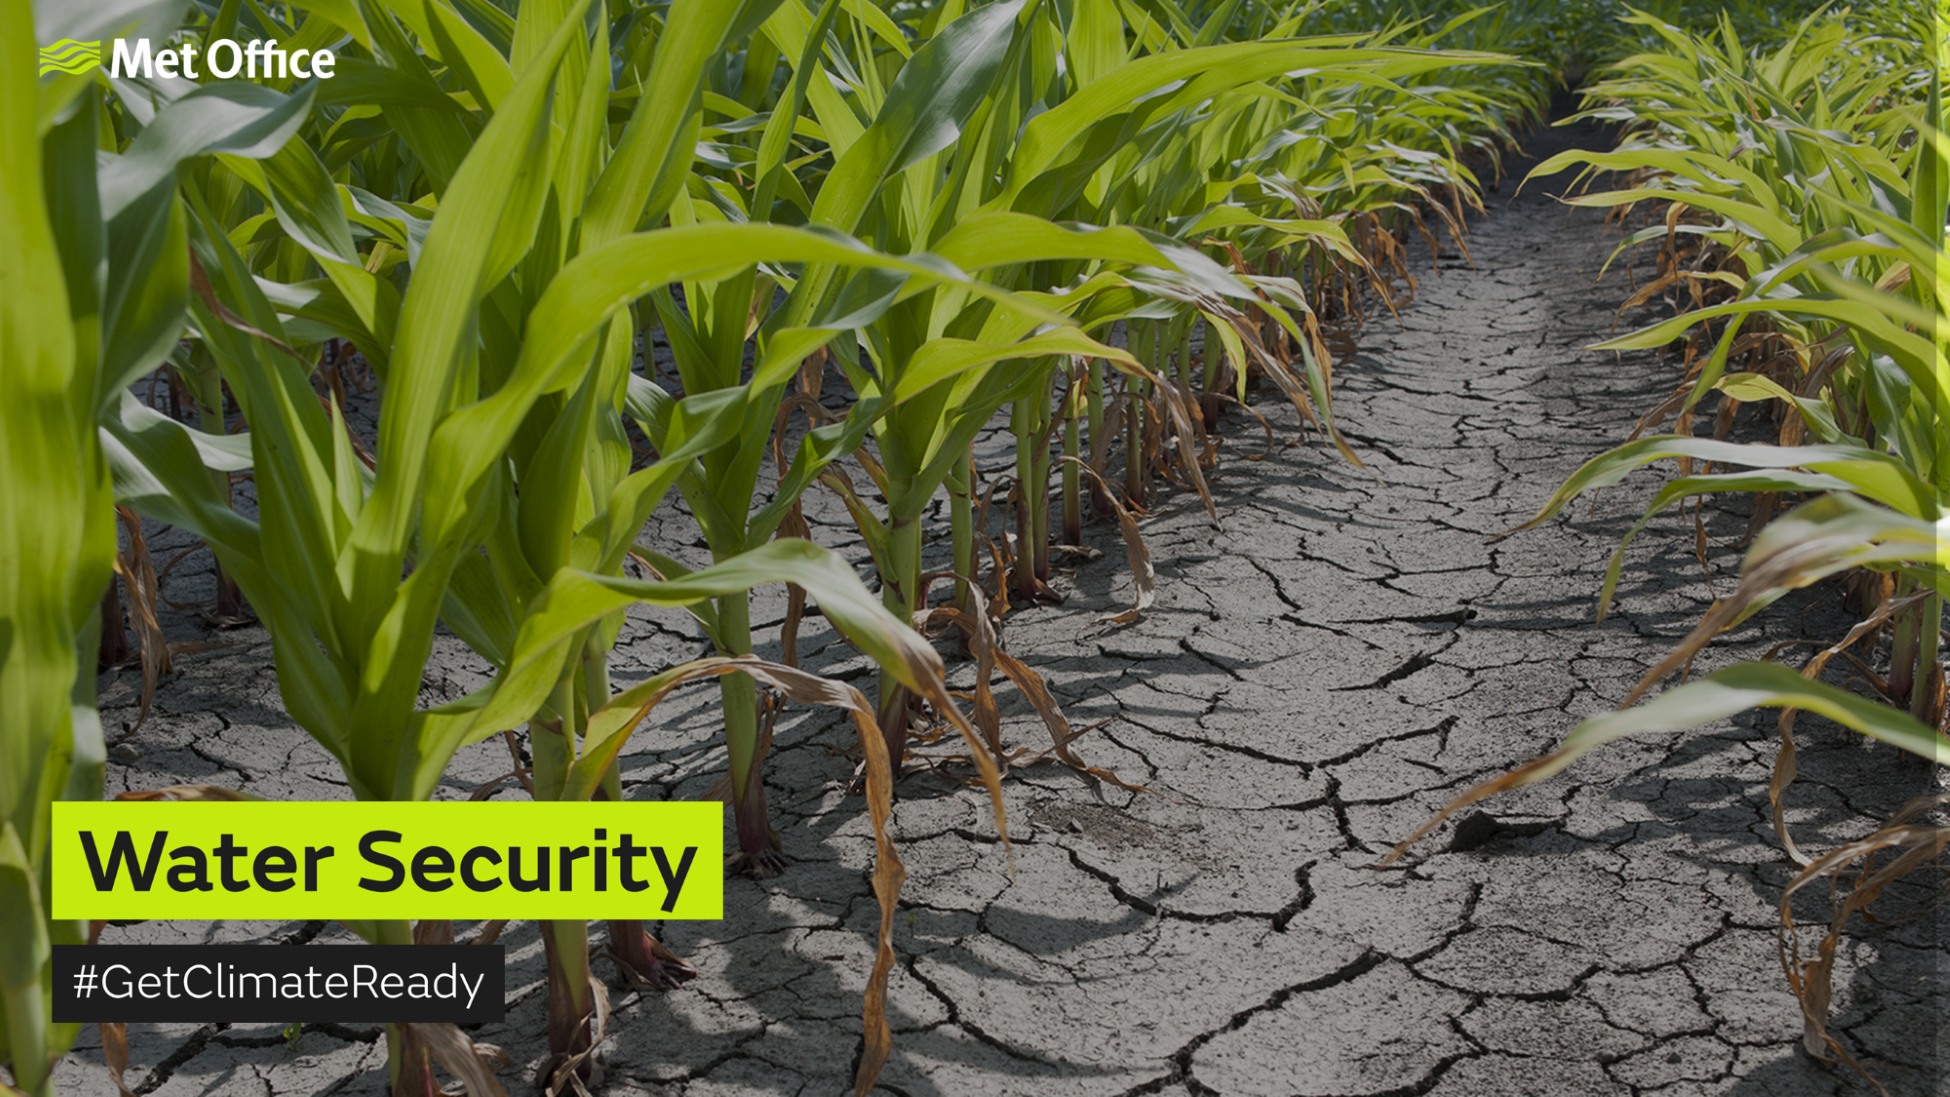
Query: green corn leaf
x=147, y=288
x=1833, y=533
x=23, y=928
x=291, y=437
x=1751, y=387
x=359, y=82
x=1094, y=44
x=1738, y=688
x=426, y=119
x=1815, y=540
x=343, y=14
x=304, y=198
x=704, y=422
x=453, y=41
x=790, y=29
x=944, y=359
x=1932, y=166
x=368, y=316
x=56, y=528
x=649, y=164
x=57, y=534
x=480, y=231
x=1877, y=475
x=930, y=101
x=1686, y=486
x=704, y=613
x=236, y=117
x=1715, y=697
x=994, y=239
x=575, y=600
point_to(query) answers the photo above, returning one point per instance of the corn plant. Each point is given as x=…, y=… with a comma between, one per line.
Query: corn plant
x=96, y=279
x=1281, y=178
x=57, y=541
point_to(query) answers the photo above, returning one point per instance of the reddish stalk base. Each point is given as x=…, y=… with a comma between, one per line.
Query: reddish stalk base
x=643, y=960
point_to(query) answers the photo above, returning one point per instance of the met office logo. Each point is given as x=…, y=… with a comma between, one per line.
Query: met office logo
x=226, y=58
x=71, y=56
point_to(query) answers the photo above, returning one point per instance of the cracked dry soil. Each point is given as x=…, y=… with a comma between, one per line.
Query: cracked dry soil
x=1316, y=679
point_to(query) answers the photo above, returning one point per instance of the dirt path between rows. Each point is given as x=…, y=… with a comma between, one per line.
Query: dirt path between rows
x=1317, y=677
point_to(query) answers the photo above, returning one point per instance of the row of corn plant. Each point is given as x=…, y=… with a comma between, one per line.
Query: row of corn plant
x=1225, y=168
x=494, y=210
x=1077, y=145
x=57, y=543
x=1800, y=194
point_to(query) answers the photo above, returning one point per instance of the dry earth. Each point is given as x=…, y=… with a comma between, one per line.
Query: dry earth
x=1317, y=677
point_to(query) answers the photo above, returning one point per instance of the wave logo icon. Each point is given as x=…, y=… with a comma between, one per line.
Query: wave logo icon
x=71, y=56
